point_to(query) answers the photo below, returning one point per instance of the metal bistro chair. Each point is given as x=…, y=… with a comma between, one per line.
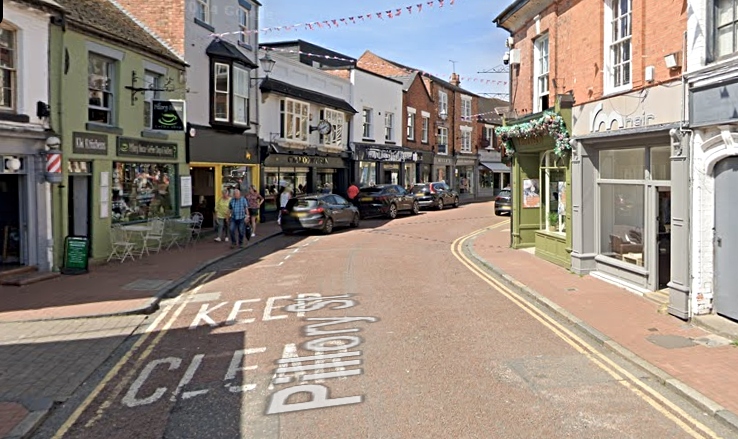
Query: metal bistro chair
x=156, y=234
x=195, y=227
x=121, y=248
x=174, y=233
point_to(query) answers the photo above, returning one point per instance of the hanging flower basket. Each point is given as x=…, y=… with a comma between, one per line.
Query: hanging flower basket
x=550, y=124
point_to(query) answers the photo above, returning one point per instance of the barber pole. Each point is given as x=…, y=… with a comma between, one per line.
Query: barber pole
x=53, y=163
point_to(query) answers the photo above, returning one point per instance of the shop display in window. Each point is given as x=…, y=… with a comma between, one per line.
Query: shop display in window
x=142, y=191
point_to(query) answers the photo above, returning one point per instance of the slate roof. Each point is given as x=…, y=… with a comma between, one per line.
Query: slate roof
x=224, y=49
x=112, y=22
x=487, y=109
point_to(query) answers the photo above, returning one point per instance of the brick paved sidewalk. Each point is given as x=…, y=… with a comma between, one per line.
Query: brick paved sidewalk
x=115, y=287
x=628, y=319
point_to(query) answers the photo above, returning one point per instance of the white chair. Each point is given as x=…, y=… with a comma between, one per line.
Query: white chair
x=174, y=234
x=121, y=248
x=195, y=227
x=155, y=234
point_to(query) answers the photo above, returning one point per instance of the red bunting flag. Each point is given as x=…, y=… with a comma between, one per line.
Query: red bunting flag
x=310, y=26
x=369, y=16
x=430, y=4
x=409, y=9
x=440, y=3
x=327, y=24
x=319, y=25
x=389, y=13
x=420, y=7
x=398, y=12
x=452, y=2
x=379, y=14
x=352, y=20
x=335, y=22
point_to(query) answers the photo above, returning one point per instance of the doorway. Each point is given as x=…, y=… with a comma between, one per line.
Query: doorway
x=726, y=240
x=11, y=242
x=79, y=205
x=663, y=237
x=203, y=193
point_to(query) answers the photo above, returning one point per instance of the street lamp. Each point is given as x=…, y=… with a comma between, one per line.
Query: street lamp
x=267, y=63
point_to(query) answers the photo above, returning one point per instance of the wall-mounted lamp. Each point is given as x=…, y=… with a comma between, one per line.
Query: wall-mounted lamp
x=12, y=163
x=672, y=60
x=267, y=65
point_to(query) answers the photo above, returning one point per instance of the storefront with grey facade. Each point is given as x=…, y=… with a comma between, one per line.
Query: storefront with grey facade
x=630, y=193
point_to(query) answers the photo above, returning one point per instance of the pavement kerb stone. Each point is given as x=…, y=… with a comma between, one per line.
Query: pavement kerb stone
x=714, y=409
x=38, y=410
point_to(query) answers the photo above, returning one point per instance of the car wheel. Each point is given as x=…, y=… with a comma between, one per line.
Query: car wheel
x=440, y=204
x=456, y=202
x=392, y=213
x=416, y=208
x=355, y=221
x=328, y=226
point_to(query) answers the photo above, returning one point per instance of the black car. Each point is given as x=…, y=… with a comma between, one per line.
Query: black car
x=503, y=203
x=386, y=200
x=318, y=212
x=435, y=195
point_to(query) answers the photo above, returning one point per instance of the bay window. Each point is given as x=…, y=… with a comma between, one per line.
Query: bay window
x=221, y=90
x=240, y=96
x=230, y=94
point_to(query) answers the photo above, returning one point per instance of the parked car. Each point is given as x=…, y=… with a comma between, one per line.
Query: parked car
x=321, y=212
x=503, y=202
x=435, y=195
x=386, y=200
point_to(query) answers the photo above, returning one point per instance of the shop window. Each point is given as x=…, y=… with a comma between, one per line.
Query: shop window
x=366, y=122
x=142, y=191
x=622, y=213
x=442, y=140
x=623, y=164
x=100, y=86
x=294, y=120
x=8, y=72
x=367, y=174
x=152, y=82
x=336, y=119
x=618, y=32
x=553, y=176
x=660, y=163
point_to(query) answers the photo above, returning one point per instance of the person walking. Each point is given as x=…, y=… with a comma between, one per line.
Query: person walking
x=239, y=215
x=284, y=197
x=222, y=211
x=255, y=200
x=353, y=192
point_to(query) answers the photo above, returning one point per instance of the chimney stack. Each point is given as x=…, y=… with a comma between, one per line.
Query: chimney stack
x=455, y=79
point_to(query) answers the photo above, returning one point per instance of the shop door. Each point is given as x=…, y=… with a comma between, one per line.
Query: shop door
x=79, y=205
x=663, y=237
x=10, y=212
x=726, y=238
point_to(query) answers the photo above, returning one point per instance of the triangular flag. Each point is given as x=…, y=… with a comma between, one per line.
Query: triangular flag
x=430, y=4
x=420, y=7
x=327, y=24
x=335, y=22
x=379, y=14
x=409, y=9
x=389, y=13
x=352, y=19
x=398, y=12
x=440, y=3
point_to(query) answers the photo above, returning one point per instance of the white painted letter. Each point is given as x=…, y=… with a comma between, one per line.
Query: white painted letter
x=130, y=399
x=236, y=366
x=311, y=331
x=320, y=399
x=189, y=373
x=304, y=297
x=203, y=315
x=327, y=343
x=347, y=303
x=236, y=309
x=270, y=307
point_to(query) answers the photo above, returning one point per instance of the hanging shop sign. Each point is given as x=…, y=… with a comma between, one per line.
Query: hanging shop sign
x=168, y=115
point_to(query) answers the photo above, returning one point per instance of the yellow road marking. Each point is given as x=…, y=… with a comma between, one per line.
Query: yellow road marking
x=650, y=396
x=128, y=355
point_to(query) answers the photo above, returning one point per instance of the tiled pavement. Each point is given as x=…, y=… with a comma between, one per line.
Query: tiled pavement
x=115, y=287
x=687, y=354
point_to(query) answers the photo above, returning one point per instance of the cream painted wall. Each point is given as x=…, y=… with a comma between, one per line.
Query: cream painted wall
x=381, y=95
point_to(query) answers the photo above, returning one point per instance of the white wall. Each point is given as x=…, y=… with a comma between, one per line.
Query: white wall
x=224, y=18
x=382, y=95
x=32, y=55
x=303, y=76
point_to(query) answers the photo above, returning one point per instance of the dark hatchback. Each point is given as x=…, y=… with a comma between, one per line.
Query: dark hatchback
x=435, y=195
x=503, y=202
x=386, y=200
x=320, y=212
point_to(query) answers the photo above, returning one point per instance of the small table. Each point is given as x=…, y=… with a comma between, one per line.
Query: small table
x=633, y=258
x=132, y=229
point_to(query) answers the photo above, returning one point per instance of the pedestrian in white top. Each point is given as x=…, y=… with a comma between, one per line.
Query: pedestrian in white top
x=284, y=197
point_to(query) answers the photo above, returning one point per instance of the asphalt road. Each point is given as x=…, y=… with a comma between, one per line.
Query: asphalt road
x=376, y=332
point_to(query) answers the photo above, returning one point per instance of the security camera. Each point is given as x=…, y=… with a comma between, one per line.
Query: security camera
x=506, y=58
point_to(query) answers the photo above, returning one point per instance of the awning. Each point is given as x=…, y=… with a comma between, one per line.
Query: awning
x=284, y=88
x=223, y=49
x=496, y=166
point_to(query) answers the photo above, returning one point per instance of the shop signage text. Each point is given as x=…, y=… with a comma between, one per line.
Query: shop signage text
x=615, y=120
x=168, y=115
x=306, y=160
x=84, y=143
x=388, y=155
x=143, y=148
x=444, y=161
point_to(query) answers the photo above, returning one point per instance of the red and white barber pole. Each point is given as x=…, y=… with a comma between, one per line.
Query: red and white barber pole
x=53, y=162
x=53, y=172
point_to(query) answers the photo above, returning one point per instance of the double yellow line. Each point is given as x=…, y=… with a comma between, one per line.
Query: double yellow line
x=668, y=409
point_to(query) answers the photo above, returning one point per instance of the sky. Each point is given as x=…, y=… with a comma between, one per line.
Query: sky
x=427, y=40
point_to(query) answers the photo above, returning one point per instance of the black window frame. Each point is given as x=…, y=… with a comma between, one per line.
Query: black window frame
x=237, y=126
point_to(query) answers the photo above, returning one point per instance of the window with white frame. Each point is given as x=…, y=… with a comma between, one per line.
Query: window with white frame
x=389, y=126
x=725, y=28
x=442, y=140
x=618, y=32
x=443, y=103
x=366, y=121
x=337, y=120
x=100, y=87
x=244, y=17
x=8, y=65
x=295, y=116
x=466, y=108
x=221, y=92
x=466, y=135
x=202, y=10
x=540, y=87
x=240, y=96
x=152, y=82
x=410, y=124
x=424, y=129
x=489, y=136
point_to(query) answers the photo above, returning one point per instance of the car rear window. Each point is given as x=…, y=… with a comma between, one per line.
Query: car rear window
x=301, y=203
x=420, y=189
x=372, y=190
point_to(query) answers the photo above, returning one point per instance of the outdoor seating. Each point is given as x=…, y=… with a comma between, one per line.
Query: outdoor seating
x=121, y=247
x=195, y=227
x=174, y=233
x=154, y=234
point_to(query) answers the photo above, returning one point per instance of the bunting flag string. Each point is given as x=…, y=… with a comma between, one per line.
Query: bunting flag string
x=349, y=60
x=313, y=25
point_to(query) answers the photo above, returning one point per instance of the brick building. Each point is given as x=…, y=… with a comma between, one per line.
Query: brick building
x=596, y=92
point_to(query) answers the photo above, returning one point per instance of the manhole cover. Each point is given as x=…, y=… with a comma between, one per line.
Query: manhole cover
x=670, y=341
x=146, y=284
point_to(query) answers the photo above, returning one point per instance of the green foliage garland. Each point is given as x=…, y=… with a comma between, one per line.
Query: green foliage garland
x=550, y=124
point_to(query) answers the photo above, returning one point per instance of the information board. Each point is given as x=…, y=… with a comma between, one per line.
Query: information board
x=76, y=251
